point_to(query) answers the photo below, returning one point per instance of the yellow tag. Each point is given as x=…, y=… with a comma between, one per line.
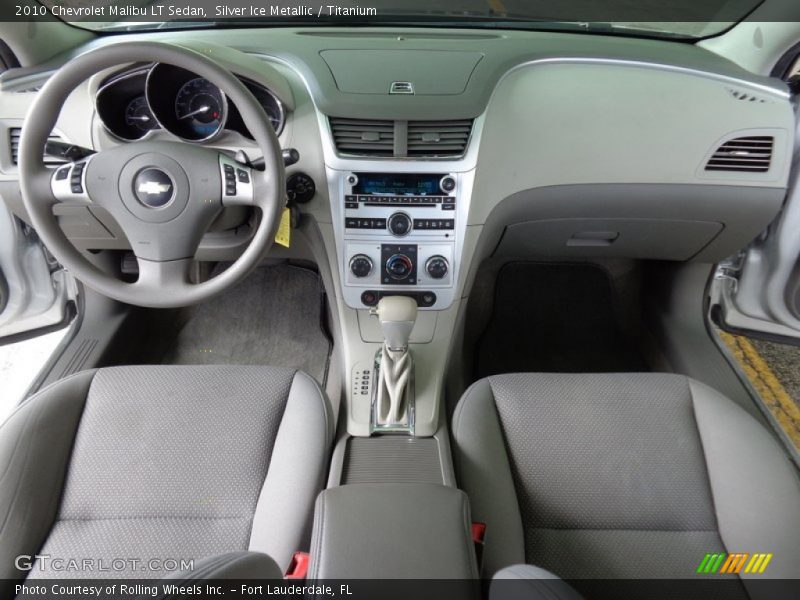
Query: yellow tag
x=284, y=235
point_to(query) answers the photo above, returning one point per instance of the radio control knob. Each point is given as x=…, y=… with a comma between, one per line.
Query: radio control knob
x=400, y=224
x=448, y=184
x=361, y=265
x=437, y=266
x=399, y=266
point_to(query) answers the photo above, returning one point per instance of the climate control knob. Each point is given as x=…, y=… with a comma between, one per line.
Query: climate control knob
x=436, y=267
x=399, y=266
x=361, y=265
x=399, y=224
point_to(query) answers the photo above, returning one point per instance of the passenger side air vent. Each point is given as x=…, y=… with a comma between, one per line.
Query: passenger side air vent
x=13, y=141
x=438, y=138
x=363, y=137
x=751, y=154
x=743, y=96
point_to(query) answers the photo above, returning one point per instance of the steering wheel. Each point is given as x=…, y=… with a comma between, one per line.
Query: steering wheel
x=163, y=195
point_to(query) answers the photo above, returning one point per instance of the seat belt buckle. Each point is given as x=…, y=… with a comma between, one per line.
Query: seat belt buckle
x=298, y=568
x=478, y=537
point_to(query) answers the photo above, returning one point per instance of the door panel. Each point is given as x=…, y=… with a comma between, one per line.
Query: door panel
x=36, y=294
x=758, y=292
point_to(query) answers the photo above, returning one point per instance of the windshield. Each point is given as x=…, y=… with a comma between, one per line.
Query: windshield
x=684, y=19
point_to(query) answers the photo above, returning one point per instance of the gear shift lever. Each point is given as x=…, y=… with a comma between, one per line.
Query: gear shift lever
x=393, y=402
x=397, y=315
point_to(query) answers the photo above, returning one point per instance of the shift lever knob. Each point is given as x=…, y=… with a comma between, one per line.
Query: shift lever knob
x=397, y=315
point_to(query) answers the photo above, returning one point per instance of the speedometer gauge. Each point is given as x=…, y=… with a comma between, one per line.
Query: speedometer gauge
x=200, y=109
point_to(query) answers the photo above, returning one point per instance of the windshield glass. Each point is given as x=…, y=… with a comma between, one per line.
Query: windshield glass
x=683, y=19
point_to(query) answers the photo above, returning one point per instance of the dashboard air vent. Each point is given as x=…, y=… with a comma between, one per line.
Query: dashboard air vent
x=746, y=96
x=363, y=137
x=751, y=154
x=438, y=138
x=13, y=142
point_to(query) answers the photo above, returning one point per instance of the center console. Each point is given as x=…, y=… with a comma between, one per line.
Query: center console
x=365, y=531
x=400, y=234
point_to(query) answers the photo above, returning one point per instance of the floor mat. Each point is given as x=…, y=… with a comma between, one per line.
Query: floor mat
x=273, y=317
x=772, y=370
x=555, y=318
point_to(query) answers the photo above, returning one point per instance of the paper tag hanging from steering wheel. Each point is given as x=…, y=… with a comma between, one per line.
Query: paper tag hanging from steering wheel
x=284, y=234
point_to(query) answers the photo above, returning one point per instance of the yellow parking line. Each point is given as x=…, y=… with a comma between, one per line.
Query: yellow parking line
x=497, y=6
x=776, y=398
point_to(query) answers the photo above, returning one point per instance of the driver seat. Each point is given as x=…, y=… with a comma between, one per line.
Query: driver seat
x=160, y=463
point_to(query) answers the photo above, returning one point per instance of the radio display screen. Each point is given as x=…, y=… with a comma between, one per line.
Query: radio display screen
x=398, y=184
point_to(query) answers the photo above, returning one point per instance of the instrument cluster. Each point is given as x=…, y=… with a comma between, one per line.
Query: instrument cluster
x=164, y=97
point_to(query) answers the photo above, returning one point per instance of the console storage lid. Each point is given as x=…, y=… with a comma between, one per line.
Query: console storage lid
x=392, y=531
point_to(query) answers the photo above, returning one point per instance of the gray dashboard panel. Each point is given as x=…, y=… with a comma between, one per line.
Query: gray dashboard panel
x=557, y=110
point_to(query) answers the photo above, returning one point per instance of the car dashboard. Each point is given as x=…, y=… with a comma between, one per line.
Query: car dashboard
x=423, y=153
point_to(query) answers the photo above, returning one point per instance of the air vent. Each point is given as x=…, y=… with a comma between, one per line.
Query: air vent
x=13, y=141
x=745, y=96
x=438, y=138
x=745, y=154
x=30, y=90
x=363, y=137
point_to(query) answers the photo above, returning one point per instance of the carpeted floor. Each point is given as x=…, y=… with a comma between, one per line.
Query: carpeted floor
x=273, y=317
x=555, y=318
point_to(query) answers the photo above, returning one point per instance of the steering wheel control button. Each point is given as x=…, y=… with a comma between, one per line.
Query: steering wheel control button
x=400, y=224
x=237, y=182
x=437, y=267
x=153, y=188
x=230, y=180
x=361, y=265
x=76, y=181
x=68, y=182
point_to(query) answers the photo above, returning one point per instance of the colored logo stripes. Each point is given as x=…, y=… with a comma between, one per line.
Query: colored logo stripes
x=742, y=562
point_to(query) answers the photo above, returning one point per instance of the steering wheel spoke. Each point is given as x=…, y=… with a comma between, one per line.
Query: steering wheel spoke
x=68, y=183
x=168, y=275
x=238, y=182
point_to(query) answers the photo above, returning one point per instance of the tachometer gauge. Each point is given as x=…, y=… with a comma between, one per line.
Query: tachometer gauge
x=200, y=109
x=138, y=116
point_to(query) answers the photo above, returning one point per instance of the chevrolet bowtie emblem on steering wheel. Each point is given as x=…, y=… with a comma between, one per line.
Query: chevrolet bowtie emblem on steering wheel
x=153, y=187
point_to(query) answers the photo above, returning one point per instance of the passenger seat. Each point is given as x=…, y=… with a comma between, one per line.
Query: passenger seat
x=621, y=476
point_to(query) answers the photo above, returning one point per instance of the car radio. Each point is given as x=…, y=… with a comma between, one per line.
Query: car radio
x=399, y=233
